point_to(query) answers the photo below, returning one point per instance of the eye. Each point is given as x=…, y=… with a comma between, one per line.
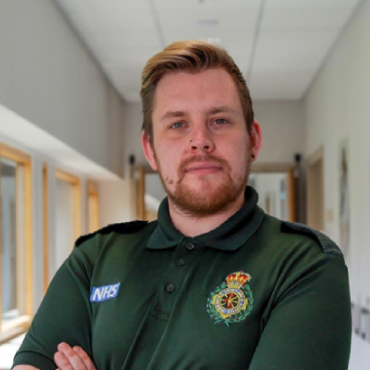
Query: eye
x=176, y=125
x=221, y=121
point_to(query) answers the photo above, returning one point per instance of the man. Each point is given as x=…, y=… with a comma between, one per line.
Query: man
x=215, y=283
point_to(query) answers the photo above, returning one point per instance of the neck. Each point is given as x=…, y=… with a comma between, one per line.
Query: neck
x=190, y=225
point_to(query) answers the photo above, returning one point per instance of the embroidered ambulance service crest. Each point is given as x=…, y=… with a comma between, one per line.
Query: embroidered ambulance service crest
x=232, y=301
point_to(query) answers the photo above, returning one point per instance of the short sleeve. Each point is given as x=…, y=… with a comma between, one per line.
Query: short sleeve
x=63, y=316
x=309, y=327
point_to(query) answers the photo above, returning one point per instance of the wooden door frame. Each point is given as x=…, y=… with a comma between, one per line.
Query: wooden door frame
x=312, y=160
x=290, y=169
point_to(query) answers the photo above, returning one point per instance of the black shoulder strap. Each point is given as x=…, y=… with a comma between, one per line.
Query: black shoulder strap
x=120, y=228
x=326, y=243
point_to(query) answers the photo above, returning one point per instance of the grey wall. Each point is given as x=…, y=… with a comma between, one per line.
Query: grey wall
x=48, y=77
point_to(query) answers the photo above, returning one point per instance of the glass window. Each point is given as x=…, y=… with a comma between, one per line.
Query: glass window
x=15, y=242
x=9, y=257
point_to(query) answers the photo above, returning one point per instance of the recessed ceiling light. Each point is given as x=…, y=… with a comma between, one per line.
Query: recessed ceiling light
x=208, y=1
x=208, y=22
x=213, y=40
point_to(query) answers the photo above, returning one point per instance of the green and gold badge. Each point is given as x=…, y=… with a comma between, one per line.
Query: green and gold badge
x=232, y=301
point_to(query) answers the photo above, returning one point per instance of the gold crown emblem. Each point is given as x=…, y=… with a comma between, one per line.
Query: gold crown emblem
x=238, y=278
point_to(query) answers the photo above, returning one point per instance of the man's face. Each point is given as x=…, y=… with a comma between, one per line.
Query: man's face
x=201, y=147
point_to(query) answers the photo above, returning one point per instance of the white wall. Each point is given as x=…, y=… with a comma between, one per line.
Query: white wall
x=337, y=106
x=49, y=78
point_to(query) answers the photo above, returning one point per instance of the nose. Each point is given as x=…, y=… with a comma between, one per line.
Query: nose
x=201, y=141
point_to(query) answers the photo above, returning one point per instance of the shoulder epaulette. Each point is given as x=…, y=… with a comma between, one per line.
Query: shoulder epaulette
x=120, y=228
x=326, y=243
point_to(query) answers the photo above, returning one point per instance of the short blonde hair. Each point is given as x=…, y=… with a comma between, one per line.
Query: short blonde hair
x=190, y=56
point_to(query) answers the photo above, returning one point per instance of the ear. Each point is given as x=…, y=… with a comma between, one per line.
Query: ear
x=256, y=139
x=148, y=151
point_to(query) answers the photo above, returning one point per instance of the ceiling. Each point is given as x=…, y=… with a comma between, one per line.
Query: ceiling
x=279, y=45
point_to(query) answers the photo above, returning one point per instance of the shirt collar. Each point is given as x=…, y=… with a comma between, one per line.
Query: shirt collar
x=229, y=236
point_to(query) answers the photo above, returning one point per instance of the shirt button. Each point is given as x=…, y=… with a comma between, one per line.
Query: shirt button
x=170, y=288
x=189, y=246
x=179, y=263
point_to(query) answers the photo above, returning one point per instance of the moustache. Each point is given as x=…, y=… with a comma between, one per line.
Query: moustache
x=202, y=158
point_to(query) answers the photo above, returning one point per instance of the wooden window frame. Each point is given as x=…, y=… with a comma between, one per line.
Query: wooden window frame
x=21, y=323
x=45, y=224
x=315, y=194
x=92, y=191
x=75, y=181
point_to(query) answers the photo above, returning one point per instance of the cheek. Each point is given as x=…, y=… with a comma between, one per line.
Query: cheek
x=239, y=159
x=168, y=166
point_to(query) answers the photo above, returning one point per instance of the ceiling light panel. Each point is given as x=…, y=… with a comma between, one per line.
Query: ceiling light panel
x=207, y=22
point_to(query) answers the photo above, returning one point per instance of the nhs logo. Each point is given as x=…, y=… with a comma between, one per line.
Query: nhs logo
x=102, y=293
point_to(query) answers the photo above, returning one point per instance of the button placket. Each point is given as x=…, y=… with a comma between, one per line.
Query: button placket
x=174, y=277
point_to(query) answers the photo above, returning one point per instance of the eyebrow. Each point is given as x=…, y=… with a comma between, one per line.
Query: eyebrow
x=171, y=114
x=222, y=109
x=180, y=113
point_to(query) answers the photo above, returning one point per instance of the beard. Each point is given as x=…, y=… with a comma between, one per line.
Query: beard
x=213, y=196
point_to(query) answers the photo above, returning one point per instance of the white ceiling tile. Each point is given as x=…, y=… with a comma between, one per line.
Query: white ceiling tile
x=311, y=19
x=199, y=5
x=136, y=56
x=285, y=86
x=293, y=41
x=285, y=64
x=284, y=42
x=311, y=4
x=105, y=21
x=234, y=34
x=116, y=5
x=190, y=18
x=114, y=41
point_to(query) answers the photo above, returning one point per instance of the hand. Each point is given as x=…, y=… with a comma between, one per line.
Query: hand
x=68, y=358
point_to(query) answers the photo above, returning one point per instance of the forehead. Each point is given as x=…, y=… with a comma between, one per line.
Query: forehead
x=196, y=91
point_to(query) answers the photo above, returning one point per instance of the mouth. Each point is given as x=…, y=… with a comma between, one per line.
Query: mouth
x=203, y=168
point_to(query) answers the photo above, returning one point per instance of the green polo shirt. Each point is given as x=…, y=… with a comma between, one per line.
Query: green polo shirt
x=255, y=293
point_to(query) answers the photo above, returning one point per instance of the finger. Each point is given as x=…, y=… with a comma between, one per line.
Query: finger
x=62, y=361
x=73, y=358
x=85, y=358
